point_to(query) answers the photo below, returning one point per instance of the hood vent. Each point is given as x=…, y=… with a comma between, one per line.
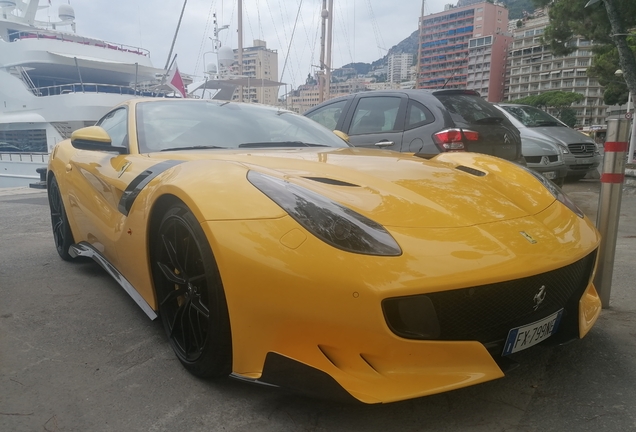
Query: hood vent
x=330, y=181
x=471, y=171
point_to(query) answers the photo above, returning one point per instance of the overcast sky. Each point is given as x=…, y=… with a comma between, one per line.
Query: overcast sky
x=363, y=29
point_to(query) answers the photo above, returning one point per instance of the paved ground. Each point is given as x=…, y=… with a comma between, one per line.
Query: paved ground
x=76, y=354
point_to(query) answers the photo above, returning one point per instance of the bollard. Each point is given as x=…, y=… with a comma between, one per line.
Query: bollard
x=609, y=204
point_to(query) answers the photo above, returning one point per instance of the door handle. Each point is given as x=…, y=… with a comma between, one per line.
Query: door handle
x=384, y=144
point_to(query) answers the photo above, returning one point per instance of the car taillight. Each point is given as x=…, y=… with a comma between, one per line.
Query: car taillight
x=450, y=140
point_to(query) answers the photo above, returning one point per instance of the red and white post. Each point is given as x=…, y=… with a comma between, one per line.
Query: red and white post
x=609, y=204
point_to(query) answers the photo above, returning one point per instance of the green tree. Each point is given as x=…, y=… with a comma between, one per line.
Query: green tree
x=604, y=68
x=607, y=23
x=559, y=100
x=568, y=116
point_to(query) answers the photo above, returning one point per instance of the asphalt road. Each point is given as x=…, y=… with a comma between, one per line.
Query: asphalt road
x=77, y=354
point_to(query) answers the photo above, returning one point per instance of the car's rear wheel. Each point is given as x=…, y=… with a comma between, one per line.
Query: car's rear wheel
x=191, y=299
x=62, y=234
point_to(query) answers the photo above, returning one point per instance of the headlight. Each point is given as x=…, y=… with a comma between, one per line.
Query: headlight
x=558, y=193
x=331, y=222
x=564, y=149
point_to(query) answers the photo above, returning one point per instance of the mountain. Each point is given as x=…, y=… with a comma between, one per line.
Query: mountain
x=516, y=10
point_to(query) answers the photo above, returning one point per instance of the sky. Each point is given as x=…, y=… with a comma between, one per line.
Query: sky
x=363, y=29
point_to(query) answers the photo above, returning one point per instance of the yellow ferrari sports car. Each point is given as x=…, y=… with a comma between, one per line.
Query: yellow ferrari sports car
x=274, y=252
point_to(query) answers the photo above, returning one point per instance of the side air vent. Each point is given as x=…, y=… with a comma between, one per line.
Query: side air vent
x=471, y=171
x=331, y=181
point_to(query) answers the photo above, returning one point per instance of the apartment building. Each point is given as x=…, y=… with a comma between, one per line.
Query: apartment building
x=487, y=65
x=445, y=46
x=533, y=69
x=259, y=63
x=308, y=96
x=399, y=67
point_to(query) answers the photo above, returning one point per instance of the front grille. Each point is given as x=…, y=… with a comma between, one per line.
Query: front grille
x=538, y=159
x=486, y=313
x=582, y=149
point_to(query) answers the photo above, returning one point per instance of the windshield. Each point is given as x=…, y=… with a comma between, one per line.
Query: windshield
x=531, y=116
x=190, y=125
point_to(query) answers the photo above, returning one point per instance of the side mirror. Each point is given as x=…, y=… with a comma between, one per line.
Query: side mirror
x=94, y=138
x=342, y=135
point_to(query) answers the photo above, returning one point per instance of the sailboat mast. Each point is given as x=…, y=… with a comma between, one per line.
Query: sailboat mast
x=329, y=43
x=321, y=75
x=174, y=39
x=419, y=47
x=240, y=46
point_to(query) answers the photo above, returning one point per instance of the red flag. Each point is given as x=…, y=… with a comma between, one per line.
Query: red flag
x=175, y=81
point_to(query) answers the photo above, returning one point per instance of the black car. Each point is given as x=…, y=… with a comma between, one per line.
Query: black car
x=422, y=121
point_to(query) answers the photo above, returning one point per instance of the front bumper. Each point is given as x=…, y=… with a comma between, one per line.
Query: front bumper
x=553, y=172
x=580, y=165
x=418, y=368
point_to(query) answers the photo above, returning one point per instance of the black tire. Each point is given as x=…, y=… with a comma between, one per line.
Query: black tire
x=559, y=181
x=190, y=294
x=62, y=234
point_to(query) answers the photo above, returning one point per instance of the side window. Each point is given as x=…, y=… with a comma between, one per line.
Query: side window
x=375, y=115
x=116, y=124
x=417, y=115
x=328, y=116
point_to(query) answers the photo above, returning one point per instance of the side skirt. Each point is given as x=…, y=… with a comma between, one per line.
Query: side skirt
x=86, y=250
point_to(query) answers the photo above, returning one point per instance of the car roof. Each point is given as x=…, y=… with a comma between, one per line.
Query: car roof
x=412, y=93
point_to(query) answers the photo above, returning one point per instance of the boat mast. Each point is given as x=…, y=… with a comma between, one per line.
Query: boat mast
x=324, y=76
x=174, y=39
x=240, y=46
x=419, y=47
x=329, y=43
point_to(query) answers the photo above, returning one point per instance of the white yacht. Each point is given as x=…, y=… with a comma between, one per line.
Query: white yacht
x=54, y=81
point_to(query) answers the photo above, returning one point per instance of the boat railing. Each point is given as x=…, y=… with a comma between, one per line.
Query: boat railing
x=22, y=35
x=37, y=157
x=62, y=89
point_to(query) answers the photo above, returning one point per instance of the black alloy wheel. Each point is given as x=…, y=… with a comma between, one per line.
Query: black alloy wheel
x=191, y=299
x=62, y=234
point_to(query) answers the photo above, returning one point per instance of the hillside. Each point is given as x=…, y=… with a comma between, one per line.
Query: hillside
x=516, y=9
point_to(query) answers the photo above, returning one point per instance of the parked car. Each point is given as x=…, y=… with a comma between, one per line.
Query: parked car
x=580, y=152
x=421, y=121
x=543, y=156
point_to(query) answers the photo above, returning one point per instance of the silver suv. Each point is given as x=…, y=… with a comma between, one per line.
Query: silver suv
x=580, y=153
x=543, y=156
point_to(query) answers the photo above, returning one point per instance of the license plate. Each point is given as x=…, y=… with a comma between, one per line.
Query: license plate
x=583, y=161
x=528, y=335
x=550, y=175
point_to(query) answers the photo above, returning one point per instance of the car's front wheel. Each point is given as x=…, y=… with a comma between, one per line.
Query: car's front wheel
x=191, y=299
x=62, y=235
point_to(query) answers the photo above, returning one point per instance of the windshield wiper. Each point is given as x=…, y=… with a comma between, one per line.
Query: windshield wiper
x=192, y=148
x=546, y=123
x=279, y=144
